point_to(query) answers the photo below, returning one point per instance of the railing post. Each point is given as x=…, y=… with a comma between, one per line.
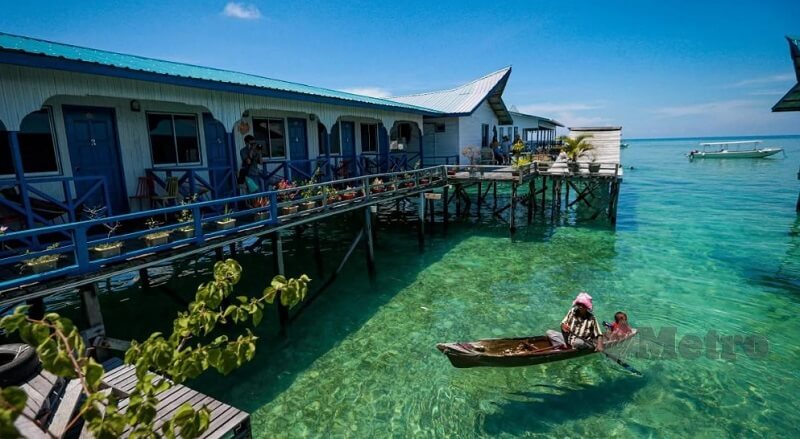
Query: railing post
x=68, y=197
x=81, y=248
x=273, y=207
x=198, y=225
x=16, y=158
x=288, y=168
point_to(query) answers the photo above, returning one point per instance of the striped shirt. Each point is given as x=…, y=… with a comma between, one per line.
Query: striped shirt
x=583, y=327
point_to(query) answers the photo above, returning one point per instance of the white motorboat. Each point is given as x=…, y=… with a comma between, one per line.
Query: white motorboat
x=733, y=150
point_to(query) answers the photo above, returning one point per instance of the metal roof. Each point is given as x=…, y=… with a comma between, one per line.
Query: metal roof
x=205, y=76
x=552, y=121
x=465, y=99
x=791, y=100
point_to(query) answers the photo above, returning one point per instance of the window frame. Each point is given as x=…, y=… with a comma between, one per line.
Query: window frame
x=175, y=140
x=368, y=125
x=56, y=149
x=484, y=135
x=268, y=147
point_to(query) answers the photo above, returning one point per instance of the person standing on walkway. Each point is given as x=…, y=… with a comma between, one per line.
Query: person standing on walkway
x=249, y=173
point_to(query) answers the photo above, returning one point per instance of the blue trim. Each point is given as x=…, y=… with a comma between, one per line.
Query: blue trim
x=46, y=62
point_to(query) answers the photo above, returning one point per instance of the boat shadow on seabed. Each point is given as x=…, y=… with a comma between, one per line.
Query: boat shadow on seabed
x=541, y=411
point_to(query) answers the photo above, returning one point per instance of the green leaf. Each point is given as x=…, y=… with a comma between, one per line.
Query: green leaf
x=257, y=316
x=14, y=397
x=94, y=374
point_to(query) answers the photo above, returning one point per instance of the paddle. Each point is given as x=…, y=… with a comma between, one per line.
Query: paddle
x=614, y=358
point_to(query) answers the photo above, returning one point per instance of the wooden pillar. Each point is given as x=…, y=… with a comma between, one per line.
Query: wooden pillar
x=494, y=185
x=566, y=196
x=218, y=253
x=421, y=221
x=544, y=191
x=445, y=211
x=37, y=308
x=278, y=266
x=512, y=221
x=94, y=317
x=458, y=192
x=232, y=249
x=144, y=277
x=531, y=199
x=318, y=252
x=368, y=241
x=480, y=193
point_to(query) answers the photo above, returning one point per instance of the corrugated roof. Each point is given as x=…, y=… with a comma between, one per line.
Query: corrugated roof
x=791, y=100
x=552, y=121
x=463, y=99
x=35, y=46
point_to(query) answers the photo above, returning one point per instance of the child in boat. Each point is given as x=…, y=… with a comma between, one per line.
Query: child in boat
x=620, y=326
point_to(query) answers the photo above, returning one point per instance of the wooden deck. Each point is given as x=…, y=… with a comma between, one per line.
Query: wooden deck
x=52, y=403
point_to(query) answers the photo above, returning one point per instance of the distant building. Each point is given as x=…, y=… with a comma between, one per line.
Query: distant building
x=791, y=101
x=535, y=131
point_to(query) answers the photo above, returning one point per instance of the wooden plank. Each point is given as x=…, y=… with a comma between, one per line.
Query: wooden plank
x=29, y=429
x=220, y=418
x=66, y=409
x=85, y=434
x=112, y=363
x=230, y=424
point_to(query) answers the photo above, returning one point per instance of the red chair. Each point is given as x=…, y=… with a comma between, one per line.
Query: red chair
x=144, y=191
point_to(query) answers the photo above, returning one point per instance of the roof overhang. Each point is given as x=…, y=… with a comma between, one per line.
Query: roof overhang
x=24, y=59
x=791, y=100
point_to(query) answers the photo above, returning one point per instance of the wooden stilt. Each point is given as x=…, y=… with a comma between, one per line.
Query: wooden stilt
x=459, y=190
x=421, y=221
x=494, y=190
x=218, y=253
x=232, y=249
x=368, y=242
x=94, y=318
x=36, y=310
x=566, y=195
x=144, y=278
x=480, y=192
x=531, y=200
x=277, y=253
x=512, y=221
x=445, y=211
x=318, y=252
x=544, y=192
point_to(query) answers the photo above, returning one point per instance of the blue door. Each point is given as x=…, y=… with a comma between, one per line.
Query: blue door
x=298, y=148
x=222, y=173
x=94, y=152
x=348, y=130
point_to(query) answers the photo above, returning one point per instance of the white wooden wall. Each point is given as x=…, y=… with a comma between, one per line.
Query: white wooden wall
x=606, y=143
x=469, y=128
x=445, y=143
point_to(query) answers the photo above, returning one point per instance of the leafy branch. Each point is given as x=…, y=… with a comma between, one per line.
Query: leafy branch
x=184, y=354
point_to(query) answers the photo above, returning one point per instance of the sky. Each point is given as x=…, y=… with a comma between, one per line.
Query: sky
x=658, y=69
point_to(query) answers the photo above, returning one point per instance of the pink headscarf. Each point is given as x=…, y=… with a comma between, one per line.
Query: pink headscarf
x=583, y=299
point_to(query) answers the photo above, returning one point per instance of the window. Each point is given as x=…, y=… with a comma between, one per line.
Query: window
x=484, y=135
x=516, y=132
x=369, y=137
x=37, y=145
x=174, y=139
x=271, y=134
x=439, y=127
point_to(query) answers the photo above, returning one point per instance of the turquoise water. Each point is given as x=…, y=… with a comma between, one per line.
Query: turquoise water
x=708, y=245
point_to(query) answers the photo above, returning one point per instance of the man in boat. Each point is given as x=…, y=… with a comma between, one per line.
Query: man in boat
x=579, y=328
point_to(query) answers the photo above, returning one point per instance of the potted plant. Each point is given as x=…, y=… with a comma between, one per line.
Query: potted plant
x=519, y=164
x=186, y=218
x=287, y=195
x=575, y=147
x=471, y=153
x=348, y=194
x=308, y=194
x=106, y=249
x=227, y=221
x=44, y=263
x=594, y=165
x=159, y=237
x=261, y=203
x=376, y=186
x=330, y=194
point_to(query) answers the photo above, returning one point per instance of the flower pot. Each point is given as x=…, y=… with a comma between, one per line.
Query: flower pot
x=347, y=196
x=574, y=167
x=225, y=224
x=260, y=216
x=288, y=210
x=107, y=251
x=42, y=266
x=308, y=205
x=424, y=181
x=184, y=233
x=594, y=168
x=332, y=200
x=451, y=172
x=152, y=241
x=408, y=184
x=377, y=190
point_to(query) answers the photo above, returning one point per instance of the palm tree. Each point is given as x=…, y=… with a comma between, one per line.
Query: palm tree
x=576, y=146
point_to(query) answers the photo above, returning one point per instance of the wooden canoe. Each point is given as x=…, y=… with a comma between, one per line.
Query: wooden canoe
x=514, y=352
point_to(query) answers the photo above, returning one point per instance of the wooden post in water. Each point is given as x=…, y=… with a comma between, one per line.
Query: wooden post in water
x=457, y=194
x=445, y=212
x=36, y=310
x=218, y=253
x=94, y=317
x=480, y=192
x=421, y=221
x=512, y=221
x=368, y=241
x=144, y=277
x=232, y=249
x=531, y=200
x=566, y=196
x=544, y=192
x=277, y=253
x=495, y=195
x=318, y=252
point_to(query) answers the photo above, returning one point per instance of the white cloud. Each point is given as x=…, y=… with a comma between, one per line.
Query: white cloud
x=544, y=109
x=242, y=11
x=706, y=108
x=375, y=92
x=764, y=80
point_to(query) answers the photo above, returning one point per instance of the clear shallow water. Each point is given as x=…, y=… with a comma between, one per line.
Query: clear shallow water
x=709, y=245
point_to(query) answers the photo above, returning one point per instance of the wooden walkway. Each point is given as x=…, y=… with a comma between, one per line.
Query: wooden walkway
x=52, y=402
